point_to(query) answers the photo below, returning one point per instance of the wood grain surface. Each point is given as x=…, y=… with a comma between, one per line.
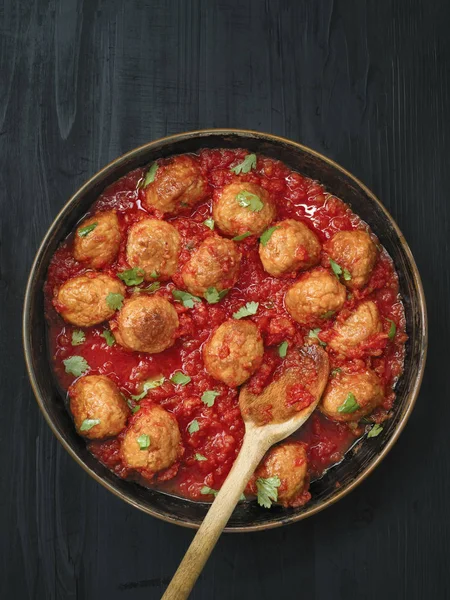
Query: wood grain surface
x=364, y=82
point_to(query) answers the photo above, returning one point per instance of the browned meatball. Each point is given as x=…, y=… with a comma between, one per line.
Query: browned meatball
x=98, y=408
x=214, y=265
x=351, y=396
x=243, y=207
x=152, y=441
x=83, y=300
x=356, y=252
x=233, y=352
x=360, y=326
x=291, y=247
x=153, y=246
x=314, y=295
x=146, y=324
x=289, y=463
x=178, y=184
x=97, y=240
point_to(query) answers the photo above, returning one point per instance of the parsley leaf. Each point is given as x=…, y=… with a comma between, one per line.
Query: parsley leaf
x=249, y=200
x=76, y=365
x=143, y=441
x=207, y=491
x=337, y=270
x=88, y=424
x=246, y=165
x=194, y=426
x=282, y=349
x=209, y=397
x=349, y=405
x=328, y=314
x=239, y=238
x=392, y=330
x=114, y=301
x=199, y=457
x=109, y=337
x=267, y=490
x=314, y=335
x=212, y=296
x=180, y=378
x=78, y=337
x=267, y=235
x=335, y=371
x=185, y=298
x=375, y=431
x=347, y=275
x=151, y=384
x=84, y=231
x=150, y=175
x=150, y=289
x=209, y=222
x=249, y=309
x=134, y=408
x=132, y=276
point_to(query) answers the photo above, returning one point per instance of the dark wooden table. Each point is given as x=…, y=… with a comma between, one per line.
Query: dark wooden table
x=367, y=84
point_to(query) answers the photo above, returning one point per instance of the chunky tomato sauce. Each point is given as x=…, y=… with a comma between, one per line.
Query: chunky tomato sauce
x=220, y=432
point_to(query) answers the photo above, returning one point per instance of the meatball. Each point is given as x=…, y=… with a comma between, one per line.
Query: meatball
x=351, y=396
x=153, y=246
x=361, y=325
x=314, y=295
x=97, y=399
x=152, y=441
x=356, y=252
x=234, y=352
x=234, y=217
x=291, y=247
x=97, y=240
x=146, y=324
x=178, y=184
x=289, y=463
x=82, y=300
x=215, y=264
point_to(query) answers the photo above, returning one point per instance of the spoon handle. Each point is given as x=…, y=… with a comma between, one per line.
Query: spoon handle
x=251, y=453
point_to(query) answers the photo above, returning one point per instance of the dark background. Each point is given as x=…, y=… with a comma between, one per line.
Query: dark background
x=367, y=84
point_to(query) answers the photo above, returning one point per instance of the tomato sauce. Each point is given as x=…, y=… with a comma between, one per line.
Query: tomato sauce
x=221, y=429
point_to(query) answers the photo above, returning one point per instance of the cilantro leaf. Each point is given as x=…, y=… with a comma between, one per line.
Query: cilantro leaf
x=132, y=276
x=150, y=289
x=249, y=309
x=199, y=457
x=337, y=270
x=194, y=426
x=109, y=337
x=207, y=491
x=212, y=296
x=150, y=175
x=88, y=424
x=375, y=431
x=150, y=384
x=114, y=301
x=84, y=231
x=267, y=490
x=282, y=349
x=392, y=330
x=209, y=397
x=246, y=165
x=267, y=235
x=180, y=378
x=134, y=407
x=144, y=441
x=335, y=371
x=328, y=314
x=314, y=335
x=185, y=298
x=347, y=275
x=78, y=337
x=250, y=201
x=239, y=238
x=349, y=405
x=209, y=222
x=76, y=365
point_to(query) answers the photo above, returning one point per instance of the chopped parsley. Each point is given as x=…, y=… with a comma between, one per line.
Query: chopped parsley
x=347, y=275
x=267, y=490
x=186, y=299
x=282, y=349
x=239, y=238
x=151, y=384
x=114, y=301
x=133, y=407
x=78, y=337
x=88, y=424
x=212, y=296
x=392, y=330
x=250, y=201
x=338, y=270
x=209, y=222
x=246, y=165
x=199, y=457
x=180, y=378
x=334, y=372
x=143, y=441
x=84, y=231
x=375, y=431
x=267, y=235
x=207, y=491
x=109, y=337
x=132, y=276
x=349, y=405
x=209, y=397
x=76, y=365
x=245, y=311
x=314, y=335
x=193, y=426
x=150, y=175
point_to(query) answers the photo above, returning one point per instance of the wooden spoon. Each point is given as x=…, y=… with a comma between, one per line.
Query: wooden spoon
x=260, y=434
